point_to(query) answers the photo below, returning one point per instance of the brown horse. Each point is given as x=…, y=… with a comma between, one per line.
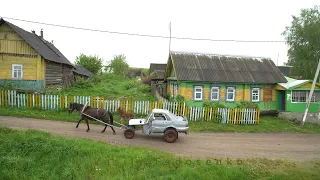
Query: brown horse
x=124, y=115
x=98, y=113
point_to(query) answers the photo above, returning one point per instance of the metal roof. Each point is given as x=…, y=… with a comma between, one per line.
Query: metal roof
x=225, y=68
x=294, y=83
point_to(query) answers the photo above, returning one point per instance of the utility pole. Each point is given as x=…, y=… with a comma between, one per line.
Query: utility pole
x=170, y=37
x=310, y=94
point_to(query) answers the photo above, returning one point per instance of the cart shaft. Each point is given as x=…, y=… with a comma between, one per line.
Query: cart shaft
x=101, y=121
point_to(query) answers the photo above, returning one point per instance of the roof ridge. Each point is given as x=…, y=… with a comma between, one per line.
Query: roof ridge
x=225, y=55
x=46, y=43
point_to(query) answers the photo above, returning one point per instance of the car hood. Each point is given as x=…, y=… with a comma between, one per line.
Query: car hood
x=137, y=121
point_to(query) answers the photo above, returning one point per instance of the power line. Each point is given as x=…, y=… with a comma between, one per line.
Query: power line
x=144, y=35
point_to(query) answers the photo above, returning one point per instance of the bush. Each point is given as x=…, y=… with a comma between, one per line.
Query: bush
x=96, y=79
x=83, y=84
x=6, y=85
x=131, y=85
x=144, y=88
x=210, y=104
x=247, y=104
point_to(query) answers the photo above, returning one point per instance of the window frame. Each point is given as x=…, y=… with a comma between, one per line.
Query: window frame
x=13, y=71
x=227, y=94
x=195, y=92
x=306, y=93
x=218, y=93
x=252, y=89
x=174, y=89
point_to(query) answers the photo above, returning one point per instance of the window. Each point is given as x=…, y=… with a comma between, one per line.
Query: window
x=215, y=92
x=198, y=93
x=255, y=93
x=231, y=93
x=17, y=72
x=159, y=116
x=174, y=90
x=302, y=96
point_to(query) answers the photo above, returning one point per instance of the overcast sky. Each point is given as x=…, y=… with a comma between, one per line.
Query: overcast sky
x=221, y=20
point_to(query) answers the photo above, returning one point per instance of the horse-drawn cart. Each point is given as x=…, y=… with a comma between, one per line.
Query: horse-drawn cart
x=157, y=121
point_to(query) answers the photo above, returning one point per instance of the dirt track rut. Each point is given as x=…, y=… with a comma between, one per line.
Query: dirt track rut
x=198, y=145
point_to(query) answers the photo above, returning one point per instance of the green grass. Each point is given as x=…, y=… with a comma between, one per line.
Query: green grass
x=37, y=155
x=110, y=87
x=267, y=124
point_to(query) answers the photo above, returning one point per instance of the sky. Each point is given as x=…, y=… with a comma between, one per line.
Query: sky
x=218, y=20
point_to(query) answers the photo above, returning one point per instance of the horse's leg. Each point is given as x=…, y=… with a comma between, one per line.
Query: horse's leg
x=79, y=122
x=114, y=132
x=111, y=122
x=87, y=124
x=105, y=127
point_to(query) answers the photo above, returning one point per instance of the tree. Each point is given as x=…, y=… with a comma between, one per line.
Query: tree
x=303, y=39
x=118, y=65
x=92, y=63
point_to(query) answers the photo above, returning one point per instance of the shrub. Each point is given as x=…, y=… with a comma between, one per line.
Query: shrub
x=130, y=85
x=247, y=104
x=144, y=88
x=6, y=85
x=95, y=78
x=83, y=84
x=210, y=104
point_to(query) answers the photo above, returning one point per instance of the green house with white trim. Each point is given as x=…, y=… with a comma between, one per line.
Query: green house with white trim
x=294, y=94
x=225, y=79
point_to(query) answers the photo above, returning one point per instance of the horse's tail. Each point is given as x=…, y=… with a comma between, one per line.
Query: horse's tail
x=111, y=117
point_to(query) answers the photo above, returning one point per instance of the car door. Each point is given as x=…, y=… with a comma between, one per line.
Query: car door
x=159, y=123
x=147, y=127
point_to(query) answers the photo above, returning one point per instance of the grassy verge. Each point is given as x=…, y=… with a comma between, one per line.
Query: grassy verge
x=109, y=86
x=37, y=155
x=267, y=124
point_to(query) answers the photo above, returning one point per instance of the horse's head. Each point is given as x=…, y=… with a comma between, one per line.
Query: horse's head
x=71, y=108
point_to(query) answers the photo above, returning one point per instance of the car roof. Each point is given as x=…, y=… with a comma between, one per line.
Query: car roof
x=160, y=111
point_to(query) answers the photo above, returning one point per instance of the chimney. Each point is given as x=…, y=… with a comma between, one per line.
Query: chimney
x=41, y=33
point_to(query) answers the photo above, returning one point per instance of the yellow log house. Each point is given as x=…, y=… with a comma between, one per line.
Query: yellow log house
x=29, y=62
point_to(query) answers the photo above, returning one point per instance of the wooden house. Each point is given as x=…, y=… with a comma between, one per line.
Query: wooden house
x=294, y=94
x=157, y=73
x=29, y=62
x=81, y=72
x=225, y=79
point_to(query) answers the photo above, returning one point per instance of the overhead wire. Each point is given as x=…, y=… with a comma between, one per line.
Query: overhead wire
x=144, y=35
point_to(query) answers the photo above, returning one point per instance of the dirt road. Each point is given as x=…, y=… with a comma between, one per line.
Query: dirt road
x=198, y=145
